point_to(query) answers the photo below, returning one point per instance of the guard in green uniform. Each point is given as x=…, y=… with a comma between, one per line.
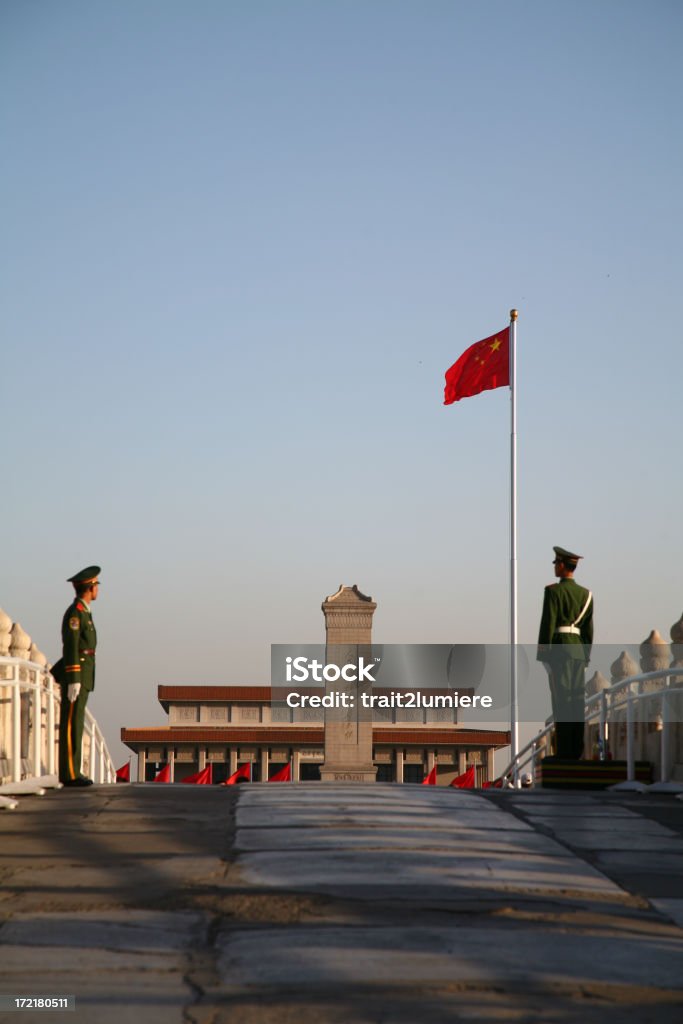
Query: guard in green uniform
x=564, y=645
x=75, y=673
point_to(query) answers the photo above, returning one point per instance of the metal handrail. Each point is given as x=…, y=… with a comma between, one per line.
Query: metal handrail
x=526, y=757
x=598, y=707
x=40, y=737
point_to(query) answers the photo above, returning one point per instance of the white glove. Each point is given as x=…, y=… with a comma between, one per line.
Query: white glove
x=74, y=690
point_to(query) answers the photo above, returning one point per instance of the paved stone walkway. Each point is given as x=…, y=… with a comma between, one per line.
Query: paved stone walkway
x=342, y=904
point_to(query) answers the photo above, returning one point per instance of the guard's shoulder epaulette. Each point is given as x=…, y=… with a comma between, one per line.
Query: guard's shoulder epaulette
x=79, y=607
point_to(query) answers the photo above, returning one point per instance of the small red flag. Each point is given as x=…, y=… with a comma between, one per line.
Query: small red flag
x=123, y=773
x=202, y=778
x=496, y=784
x=243, y=772
x=467, y=780
x=284, y=775
x=430, y=780
x=164, y=775
x=483, y=366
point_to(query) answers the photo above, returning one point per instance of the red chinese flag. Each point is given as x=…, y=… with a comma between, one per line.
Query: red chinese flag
x=284, y=775
x=123, y=774
x=485, y=365
x=467, y=780
x=164, y=775
x=430, y=780
x=202, y=778
x=242, y=773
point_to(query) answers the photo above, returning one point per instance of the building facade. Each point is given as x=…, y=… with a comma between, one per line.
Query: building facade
x=229, y=726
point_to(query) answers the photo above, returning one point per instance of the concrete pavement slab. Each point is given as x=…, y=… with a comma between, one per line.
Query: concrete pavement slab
x=604, y=839
x=322, y=956
x=535, y=808
x=410, y=872
x=665, y=863
x=622, y=825
x=128, y=931
x=55, y=959
x=672, y=908
x=448, y=820
x=460, y=841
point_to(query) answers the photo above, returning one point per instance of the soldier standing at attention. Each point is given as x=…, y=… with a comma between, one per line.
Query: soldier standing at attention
x=564, y=645
x=75, y=673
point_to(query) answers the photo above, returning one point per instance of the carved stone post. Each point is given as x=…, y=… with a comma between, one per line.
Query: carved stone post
x=676, y=683
x=39, y=714
x=348, y=731
x=595, y=685
x=5, y=633
x=623, y=668
x=20, y=646
x=655, y=655
x=5, y=697
x=676, y=634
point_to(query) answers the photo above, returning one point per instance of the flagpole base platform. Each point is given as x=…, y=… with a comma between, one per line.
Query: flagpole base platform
x=558, y=773
x=348, y=773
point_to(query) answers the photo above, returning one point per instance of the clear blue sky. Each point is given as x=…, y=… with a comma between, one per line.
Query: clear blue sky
x=242, y=242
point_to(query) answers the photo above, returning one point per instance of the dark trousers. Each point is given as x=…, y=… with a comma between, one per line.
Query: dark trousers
x=569, y=740
x=566, y=676
x=71, y=719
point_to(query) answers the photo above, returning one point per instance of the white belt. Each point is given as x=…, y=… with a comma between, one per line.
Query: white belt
x=568, y=629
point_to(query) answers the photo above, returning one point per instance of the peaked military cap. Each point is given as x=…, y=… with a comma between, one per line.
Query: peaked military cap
x=87, y=575
x=566, y=556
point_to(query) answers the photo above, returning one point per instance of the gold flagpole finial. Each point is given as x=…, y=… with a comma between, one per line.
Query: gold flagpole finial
x=513, y=314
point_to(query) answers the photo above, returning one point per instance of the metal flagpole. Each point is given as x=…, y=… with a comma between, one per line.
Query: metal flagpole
x=514, y=706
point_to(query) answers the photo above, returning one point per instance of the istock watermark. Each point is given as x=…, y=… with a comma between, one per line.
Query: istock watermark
x=302, y=670
x=383, y=683
x=464, y=683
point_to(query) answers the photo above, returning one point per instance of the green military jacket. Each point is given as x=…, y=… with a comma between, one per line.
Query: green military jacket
x=567, y=619
x=79, y=641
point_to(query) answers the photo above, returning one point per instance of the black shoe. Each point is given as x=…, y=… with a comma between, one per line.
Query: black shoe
x=80, y=782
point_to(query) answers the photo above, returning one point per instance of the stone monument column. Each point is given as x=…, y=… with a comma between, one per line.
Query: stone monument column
x=348, y=730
